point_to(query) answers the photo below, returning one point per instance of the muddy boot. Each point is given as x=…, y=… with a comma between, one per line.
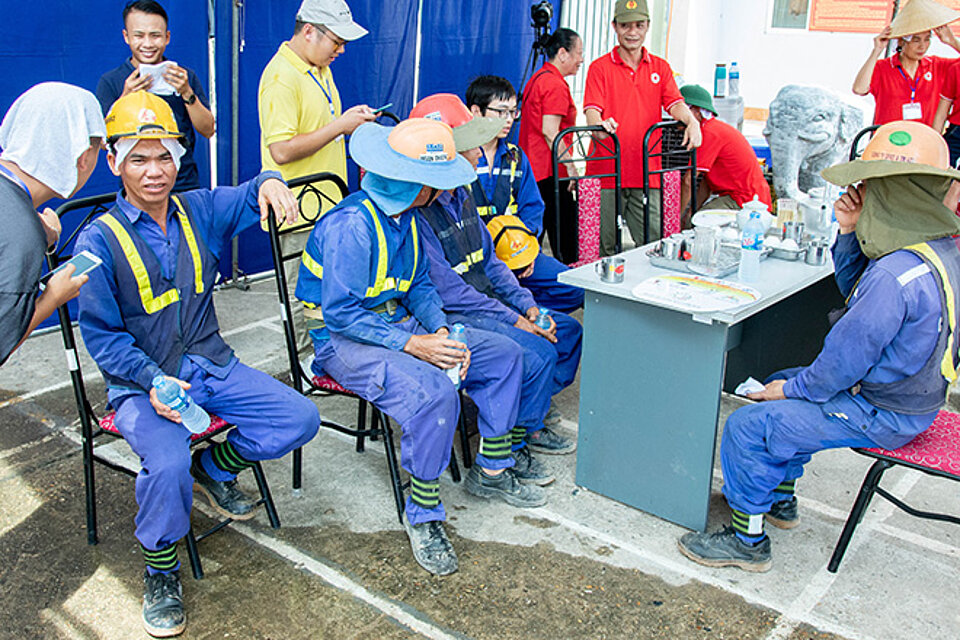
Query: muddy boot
x=548, y=441
x=505, y=486
x=163, y=615
x=431, y=546
x=529, y=470
x=225, y=497
x=724, y=549
x=783, y=514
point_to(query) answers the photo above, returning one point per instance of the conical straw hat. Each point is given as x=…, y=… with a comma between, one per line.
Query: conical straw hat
x=919, y=16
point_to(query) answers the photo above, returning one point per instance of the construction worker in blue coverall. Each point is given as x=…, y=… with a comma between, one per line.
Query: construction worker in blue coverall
x=379, y=329
x=481, y=291
x=147, y=311
x=884, y=370
x=505, y=185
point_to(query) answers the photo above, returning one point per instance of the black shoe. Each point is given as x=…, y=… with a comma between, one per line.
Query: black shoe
x=724, y=549
x=163, y=615
x=783, y=514
x=529, y=470
x=225, y=497
x=431, y=547
x=505, y=486
x=548, y=441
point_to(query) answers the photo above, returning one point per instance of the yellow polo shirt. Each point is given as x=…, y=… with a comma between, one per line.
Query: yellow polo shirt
x=294, y=98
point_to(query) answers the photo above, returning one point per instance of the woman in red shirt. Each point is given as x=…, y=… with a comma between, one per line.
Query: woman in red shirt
x=547, y=109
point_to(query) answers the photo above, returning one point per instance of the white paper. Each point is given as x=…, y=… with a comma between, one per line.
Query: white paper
x=749, y=386
x=159, y=85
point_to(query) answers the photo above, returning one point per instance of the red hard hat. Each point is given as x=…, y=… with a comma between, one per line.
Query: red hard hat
x=445, y=107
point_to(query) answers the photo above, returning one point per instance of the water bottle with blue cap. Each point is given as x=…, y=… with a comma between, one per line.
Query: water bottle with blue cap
x=543, y=319
x=192, y=416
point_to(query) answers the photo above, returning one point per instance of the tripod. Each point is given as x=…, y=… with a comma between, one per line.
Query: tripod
x=538, y=55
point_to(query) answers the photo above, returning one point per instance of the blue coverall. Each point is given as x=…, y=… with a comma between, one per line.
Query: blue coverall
x=542, y=283
x=362, y=349
x=887, y=334
x=271, y=418
x=467, y=305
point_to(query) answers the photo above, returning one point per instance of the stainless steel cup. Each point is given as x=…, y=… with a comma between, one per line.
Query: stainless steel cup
x=610, y=269
x=670, y=248
x=792, y=230
x=817, y=253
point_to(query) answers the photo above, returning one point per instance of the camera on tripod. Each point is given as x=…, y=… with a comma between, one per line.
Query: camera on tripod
x=541, y=13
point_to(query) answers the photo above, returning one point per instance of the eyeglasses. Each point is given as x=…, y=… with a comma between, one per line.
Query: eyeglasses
x=334, y=39
x=505, y=113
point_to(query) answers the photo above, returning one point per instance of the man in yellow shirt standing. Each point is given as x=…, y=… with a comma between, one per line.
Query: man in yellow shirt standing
x=301, y=122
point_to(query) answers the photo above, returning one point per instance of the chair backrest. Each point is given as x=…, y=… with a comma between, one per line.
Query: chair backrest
x=588, y=221
x=383, y=115
x=855, y=149
x=324, y=188
x=664, y=140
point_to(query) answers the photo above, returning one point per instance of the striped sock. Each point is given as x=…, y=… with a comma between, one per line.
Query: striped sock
x=162, y=560
x=785, y=490
x=516, y=435
x=748, y=528
x=425, y=493
x=496, y=448
x=226, y=458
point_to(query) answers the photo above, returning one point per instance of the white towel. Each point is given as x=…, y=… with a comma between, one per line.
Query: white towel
x=47, y=129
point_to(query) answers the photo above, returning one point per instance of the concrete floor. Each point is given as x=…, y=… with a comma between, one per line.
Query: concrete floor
x=340, y=567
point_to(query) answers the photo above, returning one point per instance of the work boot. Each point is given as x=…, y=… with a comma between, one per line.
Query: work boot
x=431, y=546
x=783, y=514
x=553, y=416
x=163, y=615
x=505, y=486
x=548, y=441
x=225, y=497
x=724, y=549
x=529, y=470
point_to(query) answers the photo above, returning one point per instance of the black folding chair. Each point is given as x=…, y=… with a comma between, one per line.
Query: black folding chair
x=855, y=149
x=664, y=140
x=94, y=426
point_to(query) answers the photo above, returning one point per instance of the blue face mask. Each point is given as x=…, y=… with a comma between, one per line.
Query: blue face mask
x=392, y=196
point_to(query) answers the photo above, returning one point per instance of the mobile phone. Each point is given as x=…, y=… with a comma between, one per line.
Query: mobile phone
x=83, y=262
x=383, y=108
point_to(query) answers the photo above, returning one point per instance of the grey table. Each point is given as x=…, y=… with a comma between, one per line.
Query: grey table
x=651, y=378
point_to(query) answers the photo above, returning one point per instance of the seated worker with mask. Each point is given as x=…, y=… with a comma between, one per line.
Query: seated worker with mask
x=505, y=186
x=148, y=311
x=379, y=329
x=480, y=291
x=886, y=363
x=729, y=173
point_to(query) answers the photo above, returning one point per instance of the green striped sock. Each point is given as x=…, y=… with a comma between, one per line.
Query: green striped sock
x=496, y=448
x=227, y=458
x=787, y=488
x=162, y=560
x=749, y=528
x=517, y=434
x=425, y=493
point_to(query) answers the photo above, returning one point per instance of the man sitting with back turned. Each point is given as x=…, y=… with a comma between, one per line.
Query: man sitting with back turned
x=886, y=364
x=148, y=311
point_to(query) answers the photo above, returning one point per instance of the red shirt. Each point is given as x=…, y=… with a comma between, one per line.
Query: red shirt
x=546, y=94
x=634, y=99
x=730, y=165
x=892, y=87
x=949, y=90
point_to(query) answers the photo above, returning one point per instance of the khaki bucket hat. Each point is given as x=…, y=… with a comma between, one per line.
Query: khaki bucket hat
x=919, y=16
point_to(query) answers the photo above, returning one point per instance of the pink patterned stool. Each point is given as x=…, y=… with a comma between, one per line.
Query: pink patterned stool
x=670, y=190
x=329, y=384
x=217, y=424
x=588, y=221
x=936, y=451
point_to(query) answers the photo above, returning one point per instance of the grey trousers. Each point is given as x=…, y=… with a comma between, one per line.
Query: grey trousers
x=632, y=199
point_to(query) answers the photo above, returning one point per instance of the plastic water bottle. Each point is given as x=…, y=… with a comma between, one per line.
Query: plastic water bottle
x=734, y=80
x=193, y=417
x=457, y=334
x=751, y=245
x=720, y=81
x=543, y=319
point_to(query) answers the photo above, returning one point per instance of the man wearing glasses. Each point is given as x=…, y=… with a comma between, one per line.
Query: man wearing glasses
x=301, y=122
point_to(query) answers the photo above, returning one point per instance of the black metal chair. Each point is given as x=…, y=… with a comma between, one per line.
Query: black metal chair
x=94, y=427
x=855, y=149
x=664, y=141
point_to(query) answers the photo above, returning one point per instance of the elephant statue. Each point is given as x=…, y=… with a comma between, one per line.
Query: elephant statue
x=809, y=129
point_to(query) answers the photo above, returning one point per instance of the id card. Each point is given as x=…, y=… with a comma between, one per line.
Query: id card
x=912, y=111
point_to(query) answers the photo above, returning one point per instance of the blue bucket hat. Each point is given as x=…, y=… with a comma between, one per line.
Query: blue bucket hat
x=418, y=150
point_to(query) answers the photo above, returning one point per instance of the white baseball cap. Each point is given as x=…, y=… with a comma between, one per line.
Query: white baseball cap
x=334, y=15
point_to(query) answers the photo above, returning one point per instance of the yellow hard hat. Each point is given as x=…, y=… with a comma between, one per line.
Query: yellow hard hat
x=513, y=242
x=141, y=115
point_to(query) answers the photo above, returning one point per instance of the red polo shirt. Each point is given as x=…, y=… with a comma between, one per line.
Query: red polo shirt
x=634, y=99
x=546, y=94
x=892, y=87
x=950, y=89
x=730, y=165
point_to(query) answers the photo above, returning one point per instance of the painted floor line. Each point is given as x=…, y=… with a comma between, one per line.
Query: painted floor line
x=9, y=453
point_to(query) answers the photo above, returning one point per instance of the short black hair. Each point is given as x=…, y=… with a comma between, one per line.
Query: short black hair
x=298, y=26
x=485, y=89
x=145, y=6
x=562, y=38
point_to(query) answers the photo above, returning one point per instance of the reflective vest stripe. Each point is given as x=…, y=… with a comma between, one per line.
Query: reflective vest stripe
x=947, y=365
x=150, y=303
x=473, y=258
x=312, y=265
x=405, y=284
x=192, y=244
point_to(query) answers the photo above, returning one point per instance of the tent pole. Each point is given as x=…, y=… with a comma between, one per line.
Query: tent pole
x=212, y=82
x=238, y=279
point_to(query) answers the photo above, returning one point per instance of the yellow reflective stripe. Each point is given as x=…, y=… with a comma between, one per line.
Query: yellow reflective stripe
x=380, y=281
x=947, y=366
x=312, y=265
x=476, y=257
x=150, y=303
x=192, y=244
x=485, y=211
x=405, y=284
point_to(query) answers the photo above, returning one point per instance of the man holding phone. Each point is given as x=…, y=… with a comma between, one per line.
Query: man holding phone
x=145, y=31
x=301, y=122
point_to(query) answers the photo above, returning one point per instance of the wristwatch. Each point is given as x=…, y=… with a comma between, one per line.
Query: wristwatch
x=191, y=99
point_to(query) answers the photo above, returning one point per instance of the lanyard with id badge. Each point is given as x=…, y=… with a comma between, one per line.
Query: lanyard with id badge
x=328, y=94
x=912, y=110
